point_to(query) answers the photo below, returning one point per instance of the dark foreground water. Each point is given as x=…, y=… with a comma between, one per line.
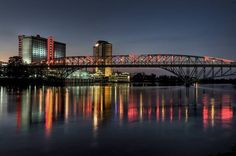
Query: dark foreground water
x=117, y=120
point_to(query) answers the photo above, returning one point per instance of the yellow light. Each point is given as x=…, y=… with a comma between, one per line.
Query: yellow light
x=141, y=107
x=67, y=105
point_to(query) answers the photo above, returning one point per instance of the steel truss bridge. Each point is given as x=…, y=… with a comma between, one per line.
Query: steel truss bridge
x=187, y=67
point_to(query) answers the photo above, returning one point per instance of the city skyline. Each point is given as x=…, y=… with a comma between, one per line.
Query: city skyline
x=34, y=49
x=117, y=77
x=183, y=27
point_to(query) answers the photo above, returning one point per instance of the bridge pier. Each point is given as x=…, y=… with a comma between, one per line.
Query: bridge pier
x=188, y=84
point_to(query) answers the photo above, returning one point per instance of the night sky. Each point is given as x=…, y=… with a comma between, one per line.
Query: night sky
x=198, y=27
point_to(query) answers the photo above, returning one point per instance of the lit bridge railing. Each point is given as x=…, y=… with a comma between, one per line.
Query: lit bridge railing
x=187, y=67
x=149, y=59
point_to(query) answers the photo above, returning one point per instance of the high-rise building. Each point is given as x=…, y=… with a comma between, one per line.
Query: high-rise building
x=34, y=49
x=103, y=50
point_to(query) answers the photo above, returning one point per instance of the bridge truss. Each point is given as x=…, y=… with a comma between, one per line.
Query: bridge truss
x=187, y=67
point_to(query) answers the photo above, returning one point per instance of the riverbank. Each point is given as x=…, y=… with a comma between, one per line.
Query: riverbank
x=56, y=81
x=31, y=81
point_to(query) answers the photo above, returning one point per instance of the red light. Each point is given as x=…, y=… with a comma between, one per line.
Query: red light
x=226, y=114
x=50, y=49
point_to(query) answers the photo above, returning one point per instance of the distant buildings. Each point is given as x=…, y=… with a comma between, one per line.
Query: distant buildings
x=3, y=63
x=120, y=77
x=80, y=74
x=34, y=49
x=103, y=51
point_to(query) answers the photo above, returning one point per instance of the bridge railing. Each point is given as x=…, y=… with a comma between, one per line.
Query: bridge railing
x=141, y=60
x=188, y=68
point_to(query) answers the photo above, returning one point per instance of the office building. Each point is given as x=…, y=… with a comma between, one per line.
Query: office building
x=34, y=49
x=103, y=51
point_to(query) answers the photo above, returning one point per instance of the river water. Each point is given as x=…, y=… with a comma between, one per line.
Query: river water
x=117, y=119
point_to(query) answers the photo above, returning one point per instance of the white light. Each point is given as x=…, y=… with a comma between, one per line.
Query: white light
x=96, y=45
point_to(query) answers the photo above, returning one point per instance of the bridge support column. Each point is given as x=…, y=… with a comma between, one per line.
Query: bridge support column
x=188, y=82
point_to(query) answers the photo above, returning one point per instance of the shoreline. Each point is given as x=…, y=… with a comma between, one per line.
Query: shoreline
x=64, y=82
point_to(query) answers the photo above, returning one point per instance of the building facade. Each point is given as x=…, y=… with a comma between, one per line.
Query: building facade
x=34, y=49
x=103, y=52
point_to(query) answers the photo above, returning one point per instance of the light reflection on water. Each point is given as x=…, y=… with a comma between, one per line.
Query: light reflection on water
x=117, y=104
x=48, y=104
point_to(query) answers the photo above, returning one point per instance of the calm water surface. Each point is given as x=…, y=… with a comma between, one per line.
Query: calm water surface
x=117, y=120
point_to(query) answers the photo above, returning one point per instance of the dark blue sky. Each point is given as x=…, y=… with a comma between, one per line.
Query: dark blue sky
x=199, y=27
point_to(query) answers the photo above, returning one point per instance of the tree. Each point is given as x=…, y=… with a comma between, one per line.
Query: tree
x=16, y=68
